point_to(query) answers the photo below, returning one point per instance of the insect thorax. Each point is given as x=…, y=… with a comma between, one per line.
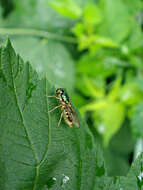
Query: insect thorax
x=65, y=98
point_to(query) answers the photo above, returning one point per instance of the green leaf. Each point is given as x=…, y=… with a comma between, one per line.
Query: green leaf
x=34, y=153
x=130, y=93
x=110, y=116
x=94, y=42
x=113, y=94
x=135, y=40
x=117, y=155
x=135, y=6
x=139, y=81
x=91, y=14
x=48, y=58
x=137, y=121
x=94, y=90
x=116, y=163
x=113, y=117
x=134, y=179
x=93, y=66
x=35, y=15
x=78, y=29
x=33, y=150
x=117, y=23
x=67, y=8
x=104, y=183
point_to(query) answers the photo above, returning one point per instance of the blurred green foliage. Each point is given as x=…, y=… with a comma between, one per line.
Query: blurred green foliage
x=94, y=49
x=110, y=32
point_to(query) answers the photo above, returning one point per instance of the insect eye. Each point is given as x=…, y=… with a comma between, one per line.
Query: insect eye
x=58, y=91
x=61, y=90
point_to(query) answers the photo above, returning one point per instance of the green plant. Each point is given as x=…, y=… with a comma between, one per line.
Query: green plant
x=106, y=30
x=34, y=153
x=94, y=50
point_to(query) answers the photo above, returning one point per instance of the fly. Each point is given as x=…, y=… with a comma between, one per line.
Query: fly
x=67, y=111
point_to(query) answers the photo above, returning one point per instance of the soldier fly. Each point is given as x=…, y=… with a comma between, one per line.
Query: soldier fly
x=67, y=111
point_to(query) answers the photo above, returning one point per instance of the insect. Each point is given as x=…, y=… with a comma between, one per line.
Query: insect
x=67, y=111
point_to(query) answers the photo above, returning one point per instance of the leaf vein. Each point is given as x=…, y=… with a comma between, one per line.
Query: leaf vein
x=45, y=154
x=21, y=115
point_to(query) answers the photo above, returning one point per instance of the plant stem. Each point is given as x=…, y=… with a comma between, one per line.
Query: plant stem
x=38, y=33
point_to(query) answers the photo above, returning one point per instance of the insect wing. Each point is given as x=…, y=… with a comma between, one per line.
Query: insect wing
x=73, y=115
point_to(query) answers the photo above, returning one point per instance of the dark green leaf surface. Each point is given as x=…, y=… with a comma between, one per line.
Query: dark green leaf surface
x=32, y=149
x=134, y=179
x=117, y=154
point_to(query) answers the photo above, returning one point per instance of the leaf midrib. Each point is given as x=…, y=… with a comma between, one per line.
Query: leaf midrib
x=25, y=128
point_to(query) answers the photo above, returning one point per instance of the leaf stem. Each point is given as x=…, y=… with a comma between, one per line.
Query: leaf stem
x=38, y=33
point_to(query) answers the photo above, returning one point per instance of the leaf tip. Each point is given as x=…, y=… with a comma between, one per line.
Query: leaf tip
x=8, y=42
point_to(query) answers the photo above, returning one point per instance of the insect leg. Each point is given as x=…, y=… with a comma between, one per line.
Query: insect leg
x=60, y=119
x=55, y=108
x=53, y=97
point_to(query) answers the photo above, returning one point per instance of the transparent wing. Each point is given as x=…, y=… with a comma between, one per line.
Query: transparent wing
x=73, y=115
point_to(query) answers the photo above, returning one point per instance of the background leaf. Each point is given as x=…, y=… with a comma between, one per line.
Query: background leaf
x=66, y=8
x=36, y=14
x=116, y=30
x=117, y=154
x=137, y=121
x=113, y=117
x=48, y=58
